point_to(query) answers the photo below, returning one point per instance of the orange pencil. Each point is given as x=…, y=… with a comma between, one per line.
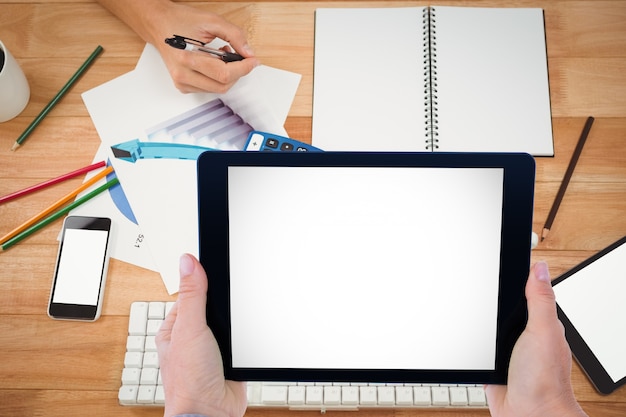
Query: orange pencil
x=58, y=204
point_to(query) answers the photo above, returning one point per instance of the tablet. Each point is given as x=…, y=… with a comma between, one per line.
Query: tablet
x=388, y=267
x=590, y=304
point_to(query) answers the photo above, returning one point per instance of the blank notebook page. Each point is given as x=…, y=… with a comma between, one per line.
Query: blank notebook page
x=492, y=80
x=368, y=87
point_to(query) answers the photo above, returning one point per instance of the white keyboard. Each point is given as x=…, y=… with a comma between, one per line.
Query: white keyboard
x=142, y=384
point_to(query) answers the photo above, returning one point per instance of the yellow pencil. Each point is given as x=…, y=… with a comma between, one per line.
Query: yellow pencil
x=58, y=204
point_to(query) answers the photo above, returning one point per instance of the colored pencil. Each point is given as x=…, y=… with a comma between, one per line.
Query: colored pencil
x=58, y=214
x=64, y=200
x=52, y=181
x=567, y=177
x=57, y=97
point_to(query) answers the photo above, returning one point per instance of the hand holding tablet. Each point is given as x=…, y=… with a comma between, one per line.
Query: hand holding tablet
x=194, y=379
x=539, y=373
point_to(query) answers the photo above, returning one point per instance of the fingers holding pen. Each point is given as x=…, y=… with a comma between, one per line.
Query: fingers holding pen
x=195, y=66
x=198, y=71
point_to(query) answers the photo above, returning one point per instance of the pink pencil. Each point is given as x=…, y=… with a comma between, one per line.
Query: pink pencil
x=53, y=181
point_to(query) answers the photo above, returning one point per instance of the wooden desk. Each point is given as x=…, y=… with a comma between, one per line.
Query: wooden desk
x=50, y=367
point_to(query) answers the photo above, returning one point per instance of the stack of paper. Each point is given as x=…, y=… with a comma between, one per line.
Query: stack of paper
x=159, y=221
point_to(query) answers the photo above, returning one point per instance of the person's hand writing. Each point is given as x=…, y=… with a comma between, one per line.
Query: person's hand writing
x=195, y=71
x=156, y=20
x=191, y=363
x=539, y=381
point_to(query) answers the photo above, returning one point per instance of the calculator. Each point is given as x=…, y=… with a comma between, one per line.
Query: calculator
x=263, y=141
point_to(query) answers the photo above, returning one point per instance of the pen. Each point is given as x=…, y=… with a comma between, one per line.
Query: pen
x=188, y=44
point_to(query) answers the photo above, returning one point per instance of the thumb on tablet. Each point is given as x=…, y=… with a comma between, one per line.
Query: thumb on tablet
x=192, y=291
x=540, y=295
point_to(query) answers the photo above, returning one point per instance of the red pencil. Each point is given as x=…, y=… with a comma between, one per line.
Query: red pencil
x=53, y=181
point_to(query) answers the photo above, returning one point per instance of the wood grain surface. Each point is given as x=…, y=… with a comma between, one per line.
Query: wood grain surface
x=50, y=368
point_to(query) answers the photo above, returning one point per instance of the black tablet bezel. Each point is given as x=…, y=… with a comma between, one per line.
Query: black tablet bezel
x=583, y=354
x=518, y=192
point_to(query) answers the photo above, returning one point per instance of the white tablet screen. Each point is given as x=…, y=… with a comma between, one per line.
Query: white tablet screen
x=364, y=268
x=593, y=300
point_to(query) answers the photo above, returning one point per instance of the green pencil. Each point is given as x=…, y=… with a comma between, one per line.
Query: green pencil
x=46, y=221
x=57, y=98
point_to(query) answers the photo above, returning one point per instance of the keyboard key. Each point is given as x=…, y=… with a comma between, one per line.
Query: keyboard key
x=421, y=396
x=386, y=396
x=253, y=391
x=332, y=395
x=274, y=395
x=149, y=376
x=159, y=395
x=156, y=310
x=133, y=360
x=296, y=395
x=150, y=344
x=349, y=395
x=135, y=343
x=130, y=376
x=368, y=395
x=314, y=395
x=404, y=396
x=168, y=307
x=138, y=318
x=150, y=360
x=153, y=326
x=441, y=395
x=458, y=396
x=145, y=394
x=476, y=396
x=127, y=395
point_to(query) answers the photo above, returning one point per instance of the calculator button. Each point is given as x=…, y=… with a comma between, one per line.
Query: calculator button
x=254, y=144
x=286, y=146
x=271, y=143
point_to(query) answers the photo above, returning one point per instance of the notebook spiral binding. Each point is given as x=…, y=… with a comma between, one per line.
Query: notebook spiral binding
x=430, y=79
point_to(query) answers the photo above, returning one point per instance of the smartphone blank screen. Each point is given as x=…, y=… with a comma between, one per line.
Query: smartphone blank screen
x=364, y=267
x=80, y=267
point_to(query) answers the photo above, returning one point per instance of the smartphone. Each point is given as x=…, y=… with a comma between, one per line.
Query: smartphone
x=81, y=267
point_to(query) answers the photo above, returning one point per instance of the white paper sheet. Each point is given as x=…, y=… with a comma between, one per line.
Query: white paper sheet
x=162, y=192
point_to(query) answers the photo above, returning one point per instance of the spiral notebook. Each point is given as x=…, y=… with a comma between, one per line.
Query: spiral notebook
x=457, y=79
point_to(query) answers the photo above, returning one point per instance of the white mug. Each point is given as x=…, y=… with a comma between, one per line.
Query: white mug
x=14, y=90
